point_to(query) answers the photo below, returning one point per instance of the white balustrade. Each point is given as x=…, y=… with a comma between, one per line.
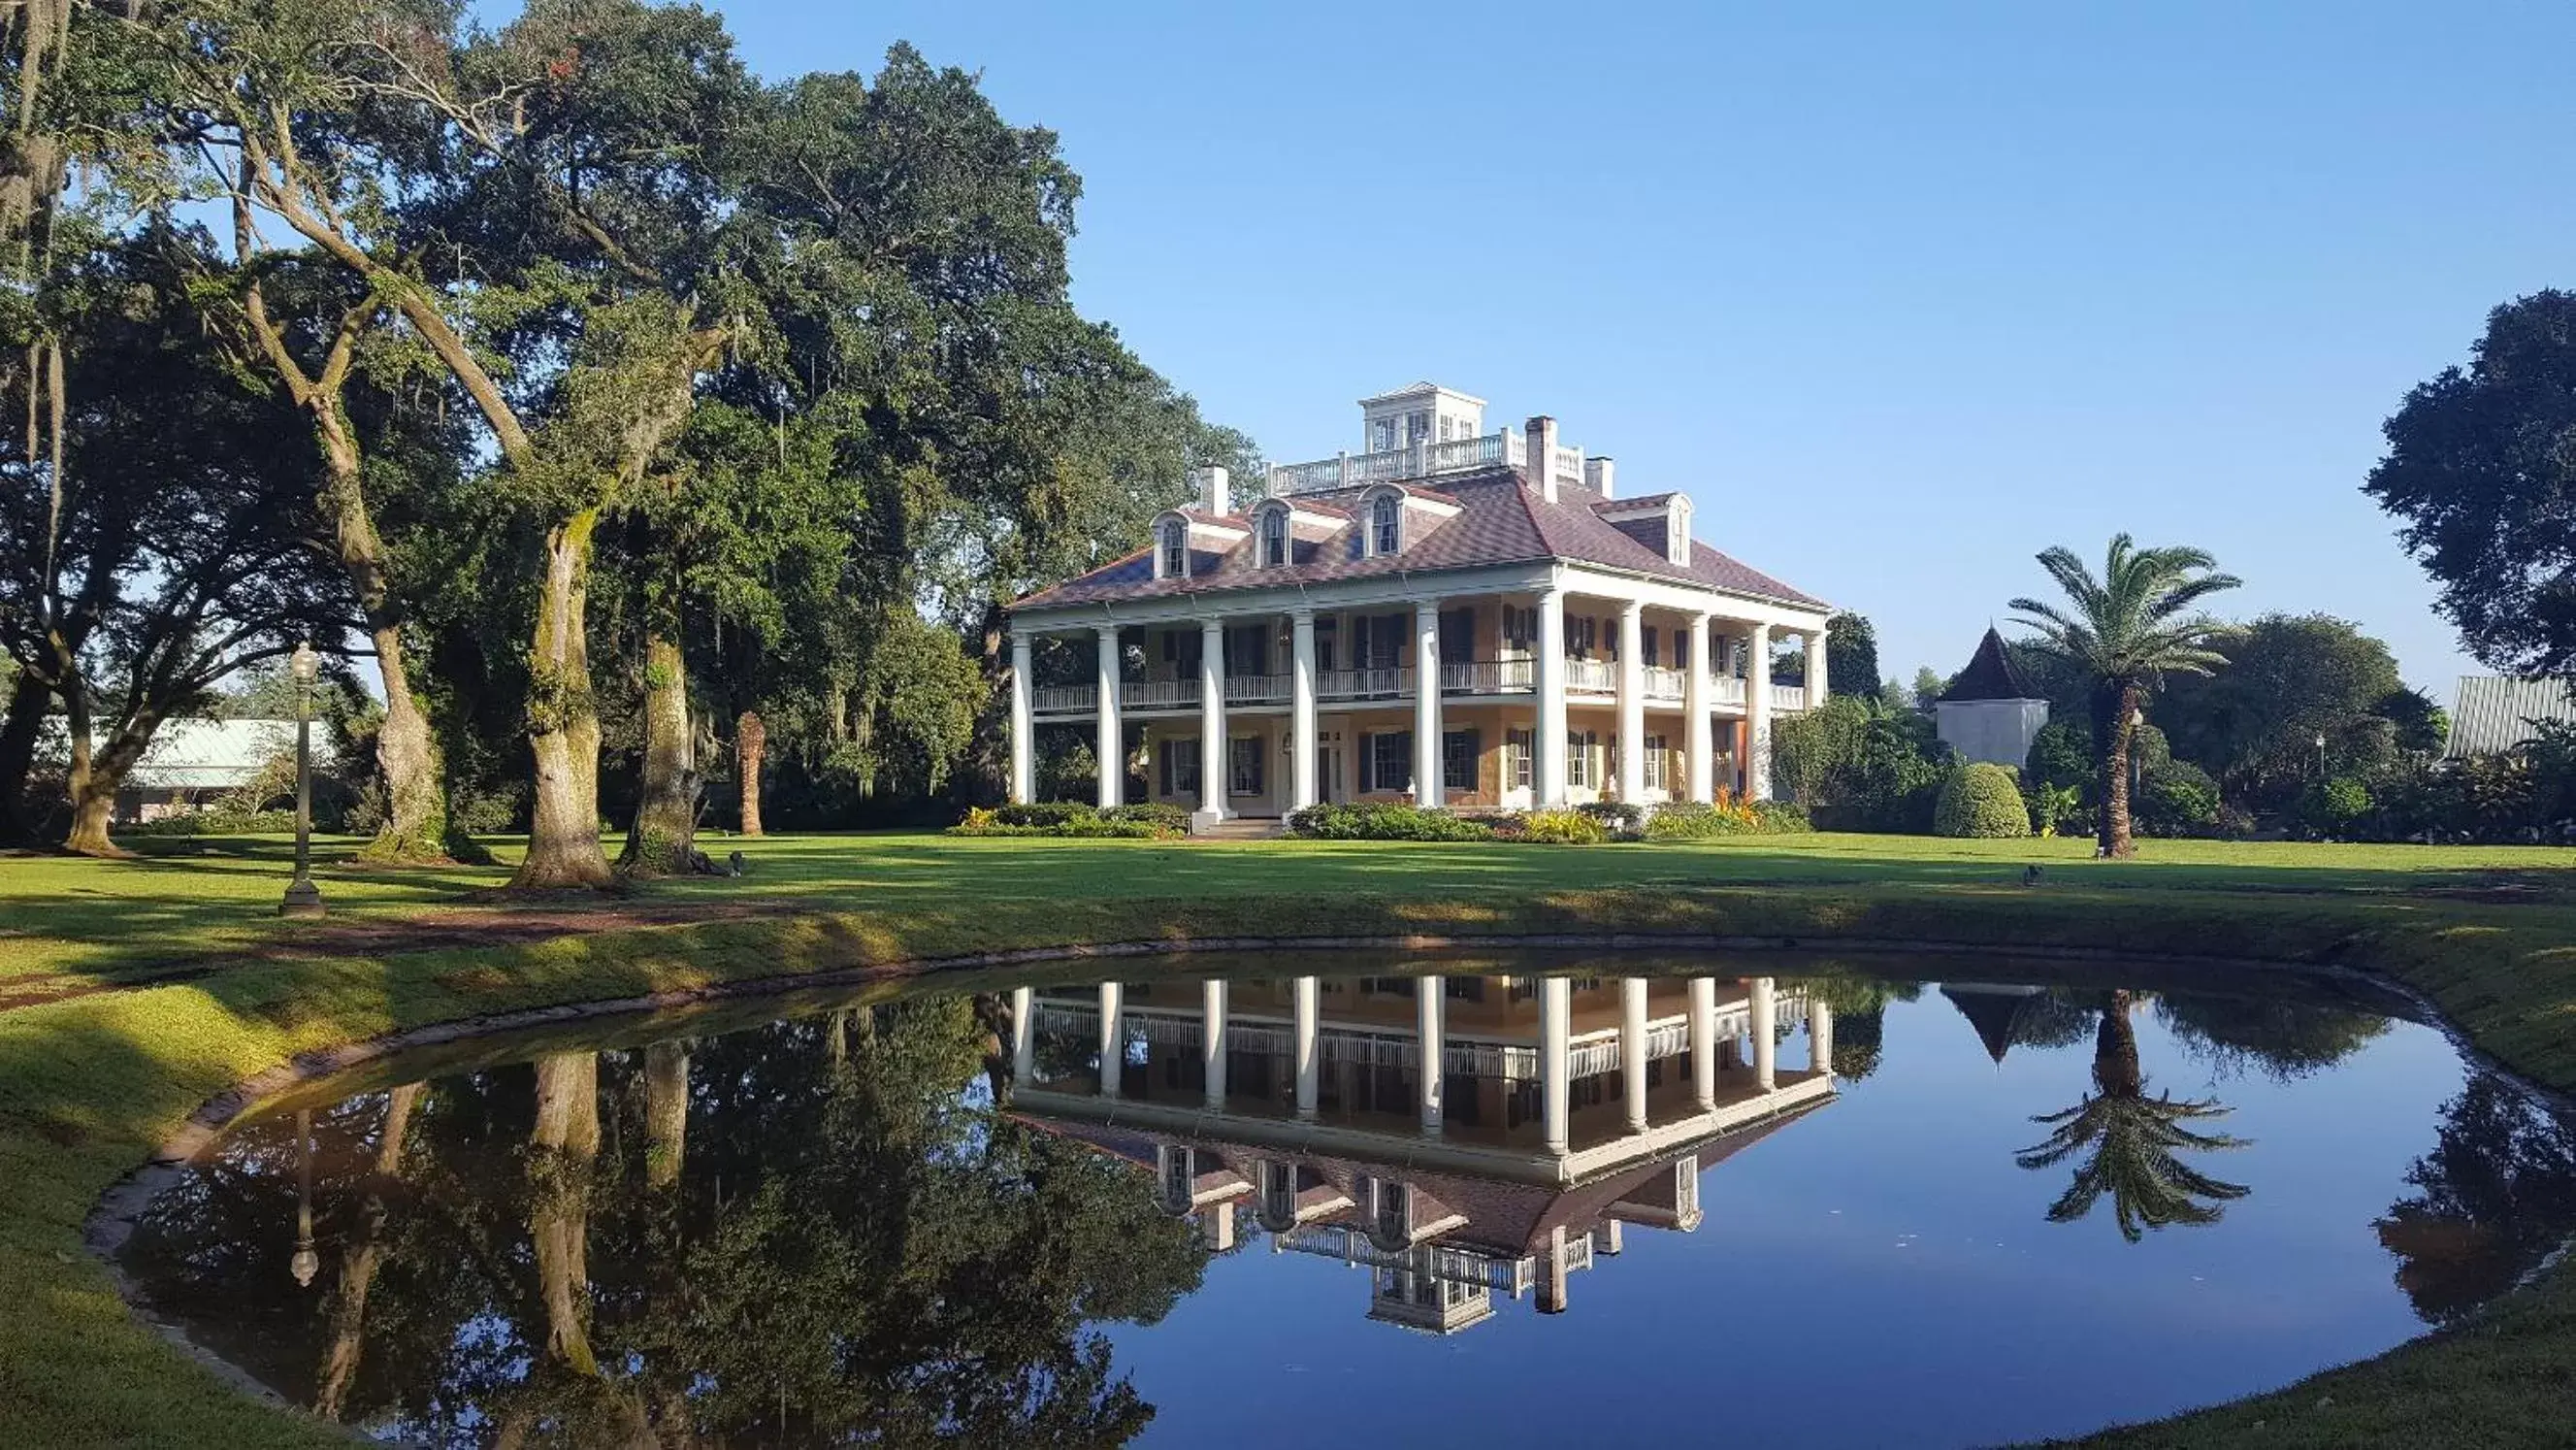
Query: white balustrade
x=1423, y=459
x=1569, y=466
x=1063, y=699
x=1730, y=690
x=1487, y=677
x=1788, y=697
x=1158, y=694
x=1663, y=683
x=1256, y=689
x=1599, y=677
x=1357, y=684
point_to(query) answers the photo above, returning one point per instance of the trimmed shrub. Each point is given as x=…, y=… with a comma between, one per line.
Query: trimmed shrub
x=1074, y=819
x=1619, y=818
x=1982, y=801
x=215, y=821
x=2176, y=799
x=1564, y=828
x=1384, y=821
x=2333, y=807
x=1042, y=813
x=1172, y=818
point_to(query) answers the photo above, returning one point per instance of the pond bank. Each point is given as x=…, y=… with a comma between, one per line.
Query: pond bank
x=90, y=1087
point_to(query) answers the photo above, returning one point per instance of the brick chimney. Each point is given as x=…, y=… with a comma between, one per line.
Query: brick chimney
x=1598, y=476
x=1541, y=433
x=1213, y=495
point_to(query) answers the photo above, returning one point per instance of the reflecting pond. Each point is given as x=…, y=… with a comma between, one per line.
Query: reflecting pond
x=1501, y=1198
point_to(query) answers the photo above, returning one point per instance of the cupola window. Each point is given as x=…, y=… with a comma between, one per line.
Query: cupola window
x=1173, y=561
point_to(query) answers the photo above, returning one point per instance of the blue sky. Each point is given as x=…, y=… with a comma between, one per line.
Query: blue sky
x=1899, y=294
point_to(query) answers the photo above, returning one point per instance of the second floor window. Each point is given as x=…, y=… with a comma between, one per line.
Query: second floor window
x=1176, y=549
x=1385, y=525
x=1274, y=538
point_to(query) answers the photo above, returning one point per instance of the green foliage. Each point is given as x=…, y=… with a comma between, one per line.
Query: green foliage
x=1851, y=655
x=2177, y=798
x=1385, y=821
x=2334, y=806
x=1144, y=822
x=2478, y=471
x=1562, y=828
x=1622, y=819
x=1692, y=821
x=1981, y=800
x=1859, y=764
x=2287, y=680
x=2421, y=726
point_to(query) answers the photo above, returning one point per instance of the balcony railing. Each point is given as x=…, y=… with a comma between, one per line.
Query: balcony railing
x=1362, y=684
x=1421, y=459
x=1664, y=683
x=1730, y=691
x=1256, y=689
x=1063, y=699
x=1599, y=677
x=1158, y=694
x=1488, y=677
x=1788, y=697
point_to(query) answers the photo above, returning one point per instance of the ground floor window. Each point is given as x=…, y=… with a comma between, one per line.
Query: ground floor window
x=1244, y=758
x=1177, y=761
x=1657, y=757
x=1458, y=760
x=1579, y=745
x=1390, y=761
x=1518, y=746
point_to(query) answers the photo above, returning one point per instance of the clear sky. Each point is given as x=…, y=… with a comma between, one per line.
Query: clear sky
x=1899, y=294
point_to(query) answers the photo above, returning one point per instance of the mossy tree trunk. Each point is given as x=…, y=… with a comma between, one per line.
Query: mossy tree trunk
x=566, y=1138
x=666, y=807
x=750, y=752
x=358, y=1265
x=666, y=1112
x=563, y=733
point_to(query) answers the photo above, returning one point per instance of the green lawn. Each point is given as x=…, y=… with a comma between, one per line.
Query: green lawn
x=91, y=1083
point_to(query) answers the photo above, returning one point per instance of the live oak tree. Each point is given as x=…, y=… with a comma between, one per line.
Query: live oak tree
x=2253, y=722
x=2481, y=461
x=2121, y=634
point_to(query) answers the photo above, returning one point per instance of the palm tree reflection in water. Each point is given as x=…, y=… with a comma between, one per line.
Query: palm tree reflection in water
x=2135, y=1142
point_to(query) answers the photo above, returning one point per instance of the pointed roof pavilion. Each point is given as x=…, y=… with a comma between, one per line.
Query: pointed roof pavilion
x=1990, y=675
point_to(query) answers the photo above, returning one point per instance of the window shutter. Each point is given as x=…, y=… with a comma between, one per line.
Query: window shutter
x=1368, y=761
x=1475, y=760
x=1163, y=765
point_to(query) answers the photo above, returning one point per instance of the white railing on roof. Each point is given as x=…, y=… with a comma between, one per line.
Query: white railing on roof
x=1348, y=684
x=1569, y=466
x=1421, y=459
x=1158, y=694
x=1432, y=1261
x=1596, y=676
x=1663, y=683
x=1059, y=699
x=1255, y=689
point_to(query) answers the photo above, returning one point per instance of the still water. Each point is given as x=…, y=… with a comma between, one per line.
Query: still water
x=1813, y=1202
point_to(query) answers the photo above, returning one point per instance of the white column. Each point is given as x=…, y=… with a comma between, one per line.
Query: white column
x=1212, y=1038
x=1757, y=713
x=1111, y=744
x=1700, y=742
x=1766, y=1025
x=1301, y=720
x=1632, y=702
x=1024, y=729
x=1211, y=720
x=1555, y=1037
x=1632, y=1050
x=1310, y=1057
x=1703, y=1042
x=1113, y=1037
x=1024, y=1036
x=1426, y=705
x=1816, y=681
x=1552, y=1274
x=1820, y=1033
x=1550, y=758
x=1430, y=1007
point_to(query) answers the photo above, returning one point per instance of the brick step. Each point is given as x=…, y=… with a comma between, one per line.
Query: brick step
x=1241, y=829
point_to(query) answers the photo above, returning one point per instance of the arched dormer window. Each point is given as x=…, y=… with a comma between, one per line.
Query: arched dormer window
x=1172, y=547
x=1275, y=546
x=1385, y=523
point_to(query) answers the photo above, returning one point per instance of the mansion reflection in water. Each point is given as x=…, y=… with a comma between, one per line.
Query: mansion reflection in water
x=1461, y=1136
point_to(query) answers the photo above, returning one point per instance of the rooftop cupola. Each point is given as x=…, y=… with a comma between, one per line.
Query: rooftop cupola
x=1424, y=412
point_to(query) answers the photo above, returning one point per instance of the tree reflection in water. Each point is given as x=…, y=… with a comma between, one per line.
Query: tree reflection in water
x=2495, y=1197
x=2136, y=1142
x=815, y=1232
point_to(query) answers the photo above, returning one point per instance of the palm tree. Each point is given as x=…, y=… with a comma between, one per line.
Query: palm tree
x=2134, y=1139
x=2121, y=633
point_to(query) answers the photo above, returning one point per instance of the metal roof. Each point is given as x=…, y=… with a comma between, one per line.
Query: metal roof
x=2492, y=714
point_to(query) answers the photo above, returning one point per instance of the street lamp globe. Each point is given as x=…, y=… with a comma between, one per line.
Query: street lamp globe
x=303, y=898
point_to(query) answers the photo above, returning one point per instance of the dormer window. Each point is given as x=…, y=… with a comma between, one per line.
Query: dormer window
x=1172, y=549
x=1386, y=524
x=1677, y=533
x=1274, y=537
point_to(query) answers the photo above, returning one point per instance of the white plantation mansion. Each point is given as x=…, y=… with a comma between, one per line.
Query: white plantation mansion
x=1452, y=617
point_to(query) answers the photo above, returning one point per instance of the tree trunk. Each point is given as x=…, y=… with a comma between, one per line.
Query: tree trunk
x=415, y=827
x=2115, y=1051
x=567, y=1135
x=666, y=1112
x=750, y=749
x=563, y=733
x=2115, y=707
x=666, y=808
x=20, y=728
x=97, y=774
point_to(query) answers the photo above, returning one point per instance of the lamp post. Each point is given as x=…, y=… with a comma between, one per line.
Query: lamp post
x=2137, y=768
x=2321, y=755
x=306, y=1262
x=303, y=898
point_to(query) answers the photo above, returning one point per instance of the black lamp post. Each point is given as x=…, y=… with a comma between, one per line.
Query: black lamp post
x=306, y=1262
x=303, y=898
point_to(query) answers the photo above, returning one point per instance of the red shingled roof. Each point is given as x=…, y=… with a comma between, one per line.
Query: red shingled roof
x=1501, y=520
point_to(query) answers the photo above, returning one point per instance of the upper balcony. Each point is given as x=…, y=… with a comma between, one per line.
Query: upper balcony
x=1586, y=679
x=1421, y=459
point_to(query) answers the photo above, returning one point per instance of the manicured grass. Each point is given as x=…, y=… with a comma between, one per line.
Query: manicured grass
x=89, y=1085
